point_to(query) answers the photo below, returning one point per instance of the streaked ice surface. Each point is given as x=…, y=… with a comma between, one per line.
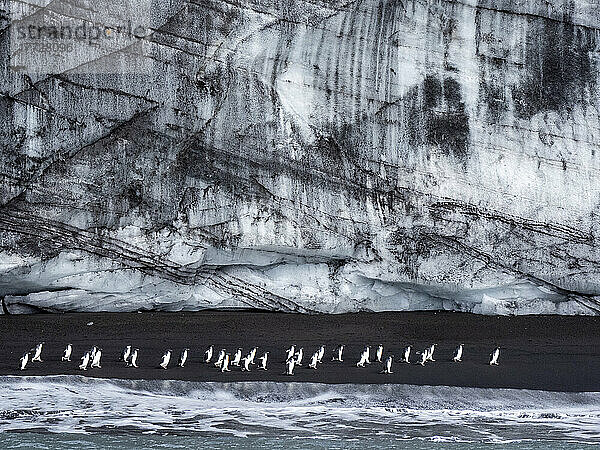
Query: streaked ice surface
x=73, y=411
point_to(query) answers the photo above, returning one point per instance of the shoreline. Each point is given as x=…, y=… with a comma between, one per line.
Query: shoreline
x=222, y=384
x=552, y=353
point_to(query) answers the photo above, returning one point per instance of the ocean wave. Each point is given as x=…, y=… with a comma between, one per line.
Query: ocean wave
x=75, y=404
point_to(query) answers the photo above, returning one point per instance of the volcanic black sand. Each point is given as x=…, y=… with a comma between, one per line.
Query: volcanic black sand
x=538, y=352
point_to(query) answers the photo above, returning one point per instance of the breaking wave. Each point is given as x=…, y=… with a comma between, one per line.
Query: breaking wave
x=80, y=405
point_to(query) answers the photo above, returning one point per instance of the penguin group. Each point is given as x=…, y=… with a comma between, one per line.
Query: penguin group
x=33, y=355
x=129, y=356
x=90, y=358
x=224, y=361
x=294, y=358
x=425, y=356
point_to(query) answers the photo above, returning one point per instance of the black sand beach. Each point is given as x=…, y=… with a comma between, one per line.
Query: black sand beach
x=538, y=352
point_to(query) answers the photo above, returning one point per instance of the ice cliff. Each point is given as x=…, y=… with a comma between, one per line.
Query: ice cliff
x=311, y=156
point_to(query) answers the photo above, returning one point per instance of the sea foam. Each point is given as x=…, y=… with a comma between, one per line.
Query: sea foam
x=74, y=404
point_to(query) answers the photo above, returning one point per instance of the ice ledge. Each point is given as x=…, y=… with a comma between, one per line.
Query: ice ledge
x=71, y=282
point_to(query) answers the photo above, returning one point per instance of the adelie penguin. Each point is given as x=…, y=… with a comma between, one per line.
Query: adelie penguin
x=208, y=354
x=37, y=352
x=126, y=353
x=379, y=353
x=407, y=354
x=388, y=365
x=290, y=352
x=364, y=358
x=24, y=360
x=314, y=360
x=85, y=360
x=252, y=354
x=263, y=361
x=494, y=357
x=430, y=352
x=458, y=353
x=237, y=357
x=424, y=356
x=321, y=354
x=337, y=354
x=67, y=354
x=220, y=358
x=289, y=366
x=93, y=351
x=96, y=359
x=299, y=356
x=225, y=364
x=165, y=359
x=133, y=359
x=183, y=357
x=367, y=352
x=246, y=363
x=367, y=355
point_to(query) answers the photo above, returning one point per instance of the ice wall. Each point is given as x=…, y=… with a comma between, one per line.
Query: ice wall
x=323, y=156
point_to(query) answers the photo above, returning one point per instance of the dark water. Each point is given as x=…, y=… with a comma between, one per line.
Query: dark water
x=79, y=412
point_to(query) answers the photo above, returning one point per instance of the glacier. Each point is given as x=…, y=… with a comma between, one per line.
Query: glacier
x=314, y=157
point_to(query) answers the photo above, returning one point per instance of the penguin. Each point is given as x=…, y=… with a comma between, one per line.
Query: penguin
x=364, y=359
x=494, y=357
x=37, y=352
x=430, y=353
x=321, y=354
x=427, y=353
x=290, y=352
x=220, y=358
x=246, y=363
x=96, y=359
x=252, y=355
x=407, y=354
x=368, y=352
x=263, y=361
x=165, y=359
x=208, y=354
x=289, y=370
x=85, y=359
x=314, y=360
x=458, y=353
x=337, y=355
x=126, y=353
x=24, y=360
x=67, y=355
x=183, y=357
x=299, y=356
x=379, y=353
x=133, y=359
x=93, y=351
x=225, y=365
x=237, y=357
x=388, y=365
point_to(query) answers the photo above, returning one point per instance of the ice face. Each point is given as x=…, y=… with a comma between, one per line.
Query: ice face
x=305, y=287
x=313, y=157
